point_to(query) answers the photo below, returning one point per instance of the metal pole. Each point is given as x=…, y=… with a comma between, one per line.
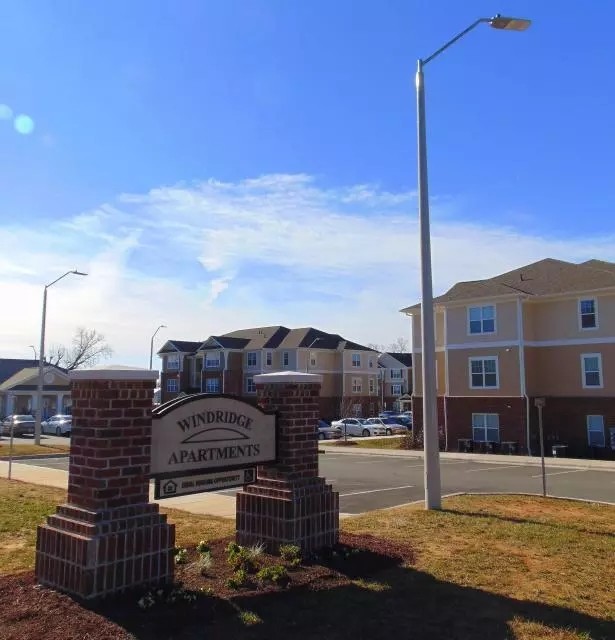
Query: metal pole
x=11, y=449
x=542, y=452
x=433, y=499
x=151, y=350
x=41, y=364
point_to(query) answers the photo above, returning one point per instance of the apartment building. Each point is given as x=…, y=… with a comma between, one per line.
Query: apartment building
x=228, y=363
x=545, y=330
x=396, y=380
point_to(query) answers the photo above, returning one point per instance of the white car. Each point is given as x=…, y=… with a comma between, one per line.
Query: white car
x=391, y=426
x=359, y=427
x=58, y=425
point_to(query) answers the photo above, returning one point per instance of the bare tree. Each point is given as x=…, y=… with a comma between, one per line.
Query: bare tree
x=377, y=347
x=87, y=349
x=400, y=345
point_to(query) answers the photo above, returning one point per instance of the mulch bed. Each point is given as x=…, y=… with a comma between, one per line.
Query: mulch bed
x=31, y=612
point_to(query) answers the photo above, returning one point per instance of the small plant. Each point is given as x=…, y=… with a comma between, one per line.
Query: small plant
x=206, y=591
x=291, y=553
x=238, y=579
x=181, y=556
x=205, y=563
x=256, y=551
x=167, y=597
x=203, y=547
x=276, y=574
x=249, y=618
x=240, y=558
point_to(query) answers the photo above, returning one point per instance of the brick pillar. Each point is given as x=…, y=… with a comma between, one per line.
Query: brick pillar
x=108, y=536
x=290, y=503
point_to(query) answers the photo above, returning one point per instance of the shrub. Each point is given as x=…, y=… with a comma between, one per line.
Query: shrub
x=181, y=556
x=276, y=574
x=249, y=618
x=238, y=579
x=240, y=558
x=203, y=547
x=205, y=562
x=291, y=553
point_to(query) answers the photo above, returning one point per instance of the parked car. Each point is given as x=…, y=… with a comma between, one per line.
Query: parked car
x=59, y=425
x=359, y=427
x=404, y=420
x=22, y=425
x=392, y=426
x=387, y=414
x=328, y=432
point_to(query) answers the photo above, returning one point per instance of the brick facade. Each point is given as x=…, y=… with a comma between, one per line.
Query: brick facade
x=290, y=503
x=107, y=537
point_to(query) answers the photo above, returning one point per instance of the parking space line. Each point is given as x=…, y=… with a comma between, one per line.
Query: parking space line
x=502, y=466
x=358, y=493
x=559, y=473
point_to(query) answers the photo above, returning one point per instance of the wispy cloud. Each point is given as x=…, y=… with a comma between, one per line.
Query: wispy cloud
x=214, y=256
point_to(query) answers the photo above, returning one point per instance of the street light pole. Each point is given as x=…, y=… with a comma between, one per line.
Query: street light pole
x=433, y=498
x=307, y=362
x=151, y=344
x=33, y=349
x=41, y=357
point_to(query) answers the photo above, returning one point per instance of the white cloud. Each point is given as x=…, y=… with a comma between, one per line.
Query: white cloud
x=215, y=256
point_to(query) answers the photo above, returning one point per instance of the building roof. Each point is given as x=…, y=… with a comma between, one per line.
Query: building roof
x=27, y=373
x=183, y=346
x=545, y=277
x=404, y=358
x=10, y=366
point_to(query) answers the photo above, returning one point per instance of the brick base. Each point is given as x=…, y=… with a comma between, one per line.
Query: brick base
x=96, y=553
x=301, y=512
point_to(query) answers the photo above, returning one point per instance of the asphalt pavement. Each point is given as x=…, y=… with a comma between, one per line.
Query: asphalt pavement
x=373, y=481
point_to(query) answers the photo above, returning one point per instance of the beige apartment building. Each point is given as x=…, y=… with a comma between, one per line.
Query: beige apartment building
x=545, y=330
x=352, y=377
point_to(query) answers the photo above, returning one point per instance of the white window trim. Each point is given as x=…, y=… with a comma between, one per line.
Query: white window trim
x=595, y=415
x=372, y=385
x=175, y=359
x=485, y=427
x=176, y=389
x=246, y=385
x=583, y=379
x=217, y=380
x=268, y=355
x=352, y=364
x=401, y=374
x=495, y=319
x=248, y=365
x=211, y=366
x=481, y=359
x=396, y=384
x=595, y=301
x=360, y=381
x=286, y=356
x=313, y=355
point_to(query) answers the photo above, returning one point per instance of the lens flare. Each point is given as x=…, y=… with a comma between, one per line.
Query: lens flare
x=23, y=124
x=6, y=113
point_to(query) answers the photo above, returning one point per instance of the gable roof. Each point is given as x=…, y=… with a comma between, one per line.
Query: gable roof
x=28, y=373
x=545, y=277
x=404, y=358
x=10, y=366
x=182, y=346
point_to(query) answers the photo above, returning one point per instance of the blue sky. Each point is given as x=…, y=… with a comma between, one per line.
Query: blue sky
x=221, y=164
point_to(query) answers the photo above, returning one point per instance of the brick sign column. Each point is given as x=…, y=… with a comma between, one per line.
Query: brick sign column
x=108, y=536
x=290, y=503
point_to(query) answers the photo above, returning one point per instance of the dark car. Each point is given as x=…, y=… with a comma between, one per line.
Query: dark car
x=327, y=432
x=22, y=425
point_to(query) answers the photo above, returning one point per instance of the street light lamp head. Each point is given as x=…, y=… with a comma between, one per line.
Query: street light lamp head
x=509, y=24
x=78, y=273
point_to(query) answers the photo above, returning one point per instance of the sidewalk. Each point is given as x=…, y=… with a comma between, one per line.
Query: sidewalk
x=572, y=463
x=212, y=504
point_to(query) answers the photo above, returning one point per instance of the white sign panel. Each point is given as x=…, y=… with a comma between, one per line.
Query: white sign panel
x=184, y=485
x=203, y=433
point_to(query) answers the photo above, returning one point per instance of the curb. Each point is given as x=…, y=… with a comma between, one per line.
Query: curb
x=34, y=456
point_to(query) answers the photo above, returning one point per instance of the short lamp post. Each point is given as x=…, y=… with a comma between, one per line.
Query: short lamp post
x=539, y=403
x=433, y=498
x=151, y=345
x=41, y=357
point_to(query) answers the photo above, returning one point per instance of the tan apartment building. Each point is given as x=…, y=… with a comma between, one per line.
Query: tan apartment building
x=545, y=330
x=228, y=363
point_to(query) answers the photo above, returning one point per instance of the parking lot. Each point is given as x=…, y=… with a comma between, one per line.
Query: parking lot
x=372, y=481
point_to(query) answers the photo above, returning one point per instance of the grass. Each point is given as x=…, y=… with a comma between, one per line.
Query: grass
x=486, y=566
x=32, y=449
x=391, y=442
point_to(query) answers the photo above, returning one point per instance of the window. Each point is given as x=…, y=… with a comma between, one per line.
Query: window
x=591, y=364
x=212, y=360
x=285, y=358
x=251, y=358
x=485, y=427
x=356, y=359
x=172, y=385
x=370, y=363
x=356, y=408
x=481, y=319
x=396, y=389
x=173, y=361
x=212, y=385
x=484, y=373
x=268, y=358
x=357, y=385
x=396, y=374
x=595, y=431
x=372, y=385
x=587, y=314
x=250, y=386
x=312, y=359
